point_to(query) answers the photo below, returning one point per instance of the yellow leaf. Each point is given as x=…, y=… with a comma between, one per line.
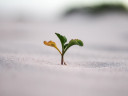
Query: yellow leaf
x=52, y=44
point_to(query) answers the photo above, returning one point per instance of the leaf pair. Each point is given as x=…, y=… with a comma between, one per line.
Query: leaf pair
x=72, y=42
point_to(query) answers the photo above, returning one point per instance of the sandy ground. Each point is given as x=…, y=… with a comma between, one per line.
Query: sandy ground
x=100, y=68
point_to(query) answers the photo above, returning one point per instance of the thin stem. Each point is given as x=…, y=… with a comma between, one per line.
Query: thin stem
x=65, y=49
x=62, y=59
x=58, y=50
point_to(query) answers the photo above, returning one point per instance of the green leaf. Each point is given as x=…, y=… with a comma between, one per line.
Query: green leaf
x=63, y=39
x=74, y=42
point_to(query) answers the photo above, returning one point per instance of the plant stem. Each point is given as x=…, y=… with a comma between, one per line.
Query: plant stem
x=62, y=59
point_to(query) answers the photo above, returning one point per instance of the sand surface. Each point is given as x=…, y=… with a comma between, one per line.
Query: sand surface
x=100, y=68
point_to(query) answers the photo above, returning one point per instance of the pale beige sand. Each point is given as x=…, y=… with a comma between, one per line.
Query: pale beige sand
x=100, y=68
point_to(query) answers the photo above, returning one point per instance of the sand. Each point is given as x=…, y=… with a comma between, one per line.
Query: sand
x=100, y=68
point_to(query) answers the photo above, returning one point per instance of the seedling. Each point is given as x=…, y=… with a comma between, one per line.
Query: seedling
x=65, y=46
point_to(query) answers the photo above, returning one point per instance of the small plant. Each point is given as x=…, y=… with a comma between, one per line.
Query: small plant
x=65, y=46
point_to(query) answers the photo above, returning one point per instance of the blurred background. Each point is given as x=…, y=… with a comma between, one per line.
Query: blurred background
x=40, y=10
x=100, y=23
x=24, y=60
